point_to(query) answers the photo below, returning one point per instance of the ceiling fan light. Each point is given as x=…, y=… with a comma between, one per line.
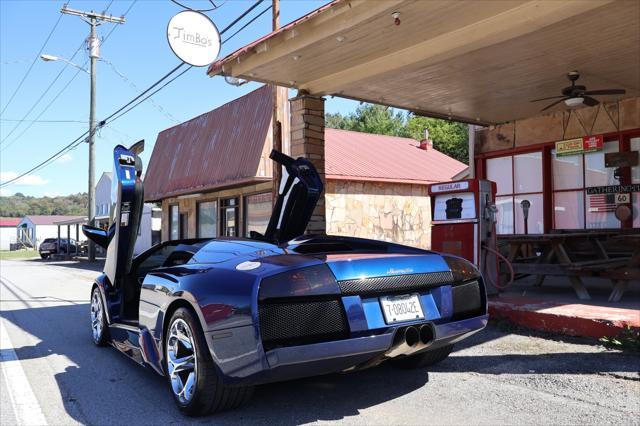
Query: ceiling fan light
x=574, y=102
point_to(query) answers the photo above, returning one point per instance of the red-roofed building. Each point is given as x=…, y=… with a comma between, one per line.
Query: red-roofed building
x=8, y=231
x=33, y=229
x=212, y=175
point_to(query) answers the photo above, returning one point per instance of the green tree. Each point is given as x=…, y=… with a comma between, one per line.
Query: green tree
x=449, y=137
x=19, y=205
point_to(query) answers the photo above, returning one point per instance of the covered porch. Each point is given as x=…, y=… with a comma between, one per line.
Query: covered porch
x=482, y=63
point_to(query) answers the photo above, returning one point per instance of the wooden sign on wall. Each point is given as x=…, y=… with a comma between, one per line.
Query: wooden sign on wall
x=621, y=159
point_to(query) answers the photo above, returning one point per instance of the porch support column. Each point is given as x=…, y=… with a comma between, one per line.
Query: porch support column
x=307, y=140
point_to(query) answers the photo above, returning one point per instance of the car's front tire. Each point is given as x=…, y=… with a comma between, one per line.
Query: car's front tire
x=99, y=326
x=424, y=359
x=193, y=379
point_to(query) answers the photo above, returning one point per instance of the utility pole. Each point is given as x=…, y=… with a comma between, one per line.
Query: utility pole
x=93, y=43
x=279, y=99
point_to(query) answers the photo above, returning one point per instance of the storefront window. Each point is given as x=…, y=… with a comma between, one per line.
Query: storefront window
x=568, y=210
x=571, y=176
x=257, y=212
x=207, y=219
x=500, y=170
x=634, y=145
x=518, y=178
x=229, y=217
x=174, y=222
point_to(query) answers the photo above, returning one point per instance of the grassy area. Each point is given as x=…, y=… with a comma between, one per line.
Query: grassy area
x=18, y=254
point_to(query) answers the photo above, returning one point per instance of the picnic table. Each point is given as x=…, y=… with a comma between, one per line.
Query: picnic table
x=574, y=255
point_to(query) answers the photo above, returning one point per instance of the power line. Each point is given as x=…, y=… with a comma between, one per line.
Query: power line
x=119, y=112
x=42, y=112
x=55, y=79
x=248, y=23
x=242, y=15
x=135, y=88
x=104, y=40
x=35, y=104
x=13, y=95
x=198, y=10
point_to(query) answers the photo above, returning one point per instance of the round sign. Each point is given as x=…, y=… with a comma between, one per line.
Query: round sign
x=623, y=212
x=194, y=38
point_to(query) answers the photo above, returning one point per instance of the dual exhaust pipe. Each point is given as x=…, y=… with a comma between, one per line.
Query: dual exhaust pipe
x=411, y=339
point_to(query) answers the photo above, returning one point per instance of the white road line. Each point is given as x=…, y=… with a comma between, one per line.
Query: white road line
x=24, y=402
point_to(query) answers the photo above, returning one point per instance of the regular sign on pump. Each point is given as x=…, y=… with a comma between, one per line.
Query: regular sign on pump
x=194, y=38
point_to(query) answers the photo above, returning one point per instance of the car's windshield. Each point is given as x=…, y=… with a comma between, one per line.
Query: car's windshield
x=50, y=240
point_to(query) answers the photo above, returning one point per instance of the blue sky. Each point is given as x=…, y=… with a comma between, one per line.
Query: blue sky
x=138, y=50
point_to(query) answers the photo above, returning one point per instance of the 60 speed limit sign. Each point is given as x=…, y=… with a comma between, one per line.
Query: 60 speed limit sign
x=623, y=198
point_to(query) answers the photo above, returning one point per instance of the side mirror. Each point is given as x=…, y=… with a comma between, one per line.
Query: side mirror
x=97, y=235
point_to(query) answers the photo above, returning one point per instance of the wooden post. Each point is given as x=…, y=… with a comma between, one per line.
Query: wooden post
x=279, y=99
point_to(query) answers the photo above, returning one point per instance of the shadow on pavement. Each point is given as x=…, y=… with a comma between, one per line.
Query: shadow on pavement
x=102, y=386
x=81, y=264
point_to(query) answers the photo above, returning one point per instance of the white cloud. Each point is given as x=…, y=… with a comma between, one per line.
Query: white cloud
x=65, y=158
x=4, y=192
x=52, y=194
x=25, y=180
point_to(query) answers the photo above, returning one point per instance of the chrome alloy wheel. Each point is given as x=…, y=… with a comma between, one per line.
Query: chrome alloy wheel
x=97, y=316
x=181, y=361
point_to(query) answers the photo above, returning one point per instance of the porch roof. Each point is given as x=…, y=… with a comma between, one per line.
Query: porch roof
x=474, y=61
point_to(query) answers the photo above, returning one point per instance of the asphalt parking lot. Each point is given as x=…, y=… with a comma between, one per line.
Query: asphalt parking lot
x=52, y=372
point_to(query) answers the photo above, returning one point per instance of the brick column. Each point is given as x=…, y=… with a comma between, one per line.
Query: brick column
x=307, y=140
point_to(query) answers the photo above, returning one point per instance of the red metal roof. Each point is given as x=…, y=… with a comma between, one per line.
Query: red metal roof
x=364, y=156
x=37, y=219
x=9, y=221
x=219, y=148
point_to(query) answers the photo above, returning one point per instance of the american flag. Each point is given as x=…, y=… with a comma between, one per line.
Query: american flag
x=602, y=203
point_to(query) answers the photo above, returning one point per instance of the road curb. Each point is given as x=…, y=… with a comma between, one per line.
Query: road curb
x=570, y=319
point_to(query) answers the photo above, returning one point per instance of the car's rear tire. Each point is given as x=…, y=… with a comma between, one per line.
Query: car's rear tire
x=424, y=359
x=99, y=326
x=193, y=378
x=44, y=256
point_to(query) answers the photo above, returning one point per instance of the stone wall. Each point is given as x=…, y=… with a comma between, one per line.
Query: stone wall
x=393, y=212
x=608, y=117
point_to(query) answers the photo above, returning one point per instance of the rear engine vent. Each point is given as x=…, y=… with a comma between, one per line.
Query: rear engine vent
x=468, y=300
x=300, y=322
x=394, y=283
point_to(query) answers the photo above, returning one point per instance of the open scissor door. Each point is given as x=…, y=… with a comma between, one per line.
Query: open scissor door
x=125, y=212
x=299, y=192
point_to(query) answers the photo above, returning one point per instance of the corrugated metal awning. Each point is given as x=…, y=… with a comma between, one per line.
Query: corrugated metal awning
x=221, y=148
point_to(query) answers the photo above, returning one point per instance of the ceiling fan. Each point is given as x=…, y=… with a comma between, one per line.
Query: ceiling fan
x=576, y=95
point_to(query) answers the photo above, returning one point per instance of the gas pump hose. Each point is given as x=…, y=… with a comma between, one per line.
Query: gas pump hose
x=496, y=282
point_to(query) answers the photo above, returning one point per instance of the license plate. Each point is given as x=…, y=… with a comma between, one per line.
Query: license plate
x=45, y=252
x=401, y=308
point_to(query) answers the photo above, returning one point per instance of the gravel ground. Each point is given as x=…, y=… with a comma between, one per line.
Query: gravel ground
x=498, y=376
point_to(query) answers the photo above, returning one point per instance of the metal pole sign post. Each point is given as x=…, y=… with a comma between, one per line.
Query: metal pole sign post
x=194, y=38
x=525, y=204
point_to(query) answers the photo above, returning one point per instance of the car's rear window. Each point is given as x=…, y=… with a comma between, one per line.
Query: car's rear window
x=50, y=240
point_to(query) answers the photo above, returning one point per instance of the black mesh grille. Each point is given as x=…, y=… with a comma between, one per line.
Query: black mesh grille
x=468, y=300
x=295, y=323
x=395, y=282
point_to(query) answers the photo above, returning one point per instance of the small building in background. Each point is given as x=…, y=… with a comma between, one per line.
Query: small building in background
x=149, y=230
x=8, y=231
x=33, y=229
x=213, y=177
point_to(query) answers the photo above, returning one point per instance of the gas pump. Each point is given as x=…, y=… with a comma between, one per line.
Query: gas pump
x=463, y=223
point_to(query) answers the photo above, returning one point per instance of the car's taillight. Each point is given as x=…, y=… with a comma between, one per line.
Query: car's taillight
x=312, y=281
